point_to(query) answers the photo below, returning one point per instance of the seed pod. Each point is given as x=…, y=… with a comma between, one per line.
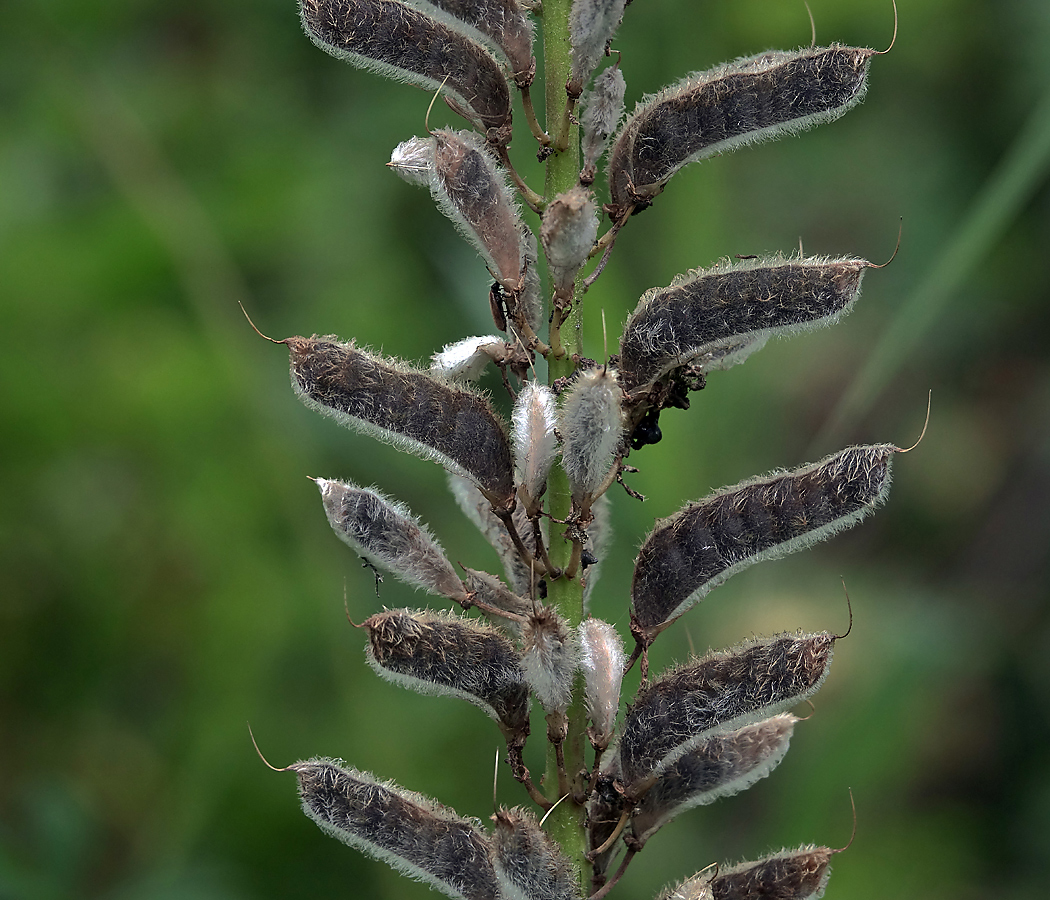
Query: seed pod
x=723, y=765
x=599, y=535
x=591, y=427
x=478, y=509
x=704, y=543
x=753, y=99
x=393, y=39
x=528, y=863
x=488, y=589
x=388, y=536
x=549, y=658
x=404, y=407
x=568, y=232
x=473, y=191
x=788, y=875
x=698, y=887
x=535, y=443
x=602, y=111
x=724, y=690
x=413, y=160
x=592, y=23
x=467, y=359
x=413, y=834
x=717, y=317
x=526, y=304
x=501, y=24
x=438, y=653
x=602, y=661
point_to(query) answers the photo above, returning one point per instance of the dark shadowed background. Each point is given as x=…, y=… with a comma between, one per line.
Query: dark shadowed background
x=168, y=574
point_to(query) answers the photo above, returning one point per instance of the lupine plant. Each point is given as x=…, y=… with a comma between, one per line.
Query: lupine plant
x=537, y=485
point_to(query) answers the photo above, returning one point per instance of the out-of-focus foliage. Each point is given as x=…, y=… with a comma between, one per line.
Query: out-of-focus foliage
x=167, y=569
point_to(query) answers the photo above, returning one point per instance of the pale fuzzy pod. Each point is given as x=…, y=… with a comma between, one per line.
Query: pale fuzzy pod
x=800, y=874
x=528, y=863
x=405, y=407
x=602, y=660
x=592, y=23
x=535, y=443
x=473, y=191
x=591, y=427
x=393, y=39
x=723, y=691
x=467, y=359
x=386, y=534
x=549, y=657
x=602, y=110
x=528, y=302
x=698, y=887
x=713, y=318
x=413, y=834
x=599, y=536
x=447, y=655
x=568, y=233
x=753, y=99
x=721, y=766
x=413, y=160
x=693, y=551
x=488, y=589
x=476, y=507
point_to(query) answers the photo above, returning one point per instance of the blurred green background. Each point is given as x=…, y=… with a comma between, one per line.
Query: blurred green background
x=168, y=574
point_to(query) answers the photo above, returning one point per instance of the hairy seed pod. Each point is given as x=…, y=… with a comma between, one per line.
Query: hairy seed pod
x=704, y=543
x=467, y=359
x=724, y=690
x=393, y=39
x=602, y=661
x=413, y=160
x=488, y=589
x=534, y=440
x=599, y=536
x=528, y=301
x=568, y=232
x=698, y=887
x=723, y=765
x=549, y=657
x=478, y=509
x=473, y=191
x=592, y=23
x=591, y=427
x=602, y=110
x=528, y=863
x=388, y=536
x=439, y=653
x=413, y=834
x=714, y=318
x=500, y=24
x=753, y=99
x=800, y=874
x=404, y=407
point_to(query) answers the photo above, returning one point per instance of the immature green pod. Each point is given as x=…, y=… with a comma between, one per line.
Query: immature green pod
x=602, y=110
x=591, y=427
x=714, y=318
x=534, y=440
x=393, y=39
x=413, y=834
x=723, y=691
x=753, y=99
x=697, y=887
x=568, y=233
x=402, y=406
x=800, y=874
x=528, y=863
x=602, y=661
x=448, y=655
x=723, y=765
x=387, y=535
x=704, y=543
x=592, y=23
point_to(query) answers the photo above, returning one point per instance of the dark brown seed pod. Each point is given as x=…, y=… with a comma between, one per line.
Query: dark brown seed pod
x=405, y=407
x=395, y=40
x=700, y=546
x=529, y=864
x=723, y=691
x=715, y=318
x=752, y=99
x=387, y=535
x=413, y=834
x=723, y=765
x=438, y=653
x=788, y=875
